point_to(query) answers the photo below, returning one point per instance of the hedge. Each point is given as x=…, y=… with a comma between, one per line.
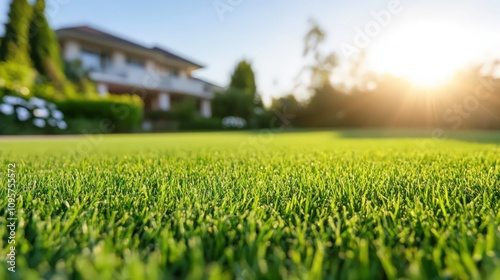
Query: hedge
x=121, y=113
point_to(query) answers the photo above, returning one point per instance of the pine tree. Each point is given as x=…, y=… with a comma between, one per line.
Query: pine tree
x=243, y=78
x=45, y=51
x=241, y=98
x=15, y=44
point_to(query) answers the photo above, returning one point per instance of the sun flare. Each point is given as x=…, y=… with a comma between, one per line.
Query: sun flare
x=428, y=54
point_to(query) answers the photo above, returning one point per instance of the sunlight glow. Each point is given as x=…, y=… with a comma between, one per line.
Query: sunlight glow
x=428, y=54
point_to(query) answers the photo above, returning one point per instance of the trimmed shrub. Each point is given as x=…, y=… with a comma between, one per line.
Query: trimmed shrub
x=124, y=112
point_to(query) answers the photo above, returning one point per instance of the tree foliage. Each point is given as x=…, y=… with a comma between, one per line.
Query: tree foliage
x=241, y=99
x=29, y=41
x=45, y=51
x=321, y=65
x=233, y=102
x=15, y=75
x=15, y=43
x=360, y=98
x=243, y=79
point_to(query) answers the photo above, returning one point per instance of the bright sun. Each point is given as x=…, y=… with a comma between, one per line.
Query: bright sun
x=428, y=54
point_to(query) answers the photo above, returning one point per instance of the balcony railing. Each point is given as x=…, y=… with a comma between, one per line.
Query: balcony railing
x=143, y=78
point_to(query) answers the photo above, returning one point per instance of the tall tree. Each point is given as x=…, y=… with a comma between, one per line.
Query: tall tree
x=233, y=102
x=241, y=98
x=45, y=52
x=323, y=106
x=322, y=65
x=243, y=78
x=15, y=44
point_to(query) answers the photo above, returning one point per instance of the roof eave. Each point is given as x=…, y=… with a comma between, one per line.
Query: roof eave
x=67, y=33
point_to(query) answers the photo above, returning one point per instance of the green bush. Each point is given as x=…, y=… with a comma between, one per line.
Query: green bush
x=267, y=119
x=28, y=115
x=159, y=116
x=122, y=113
x=45, y=91
x=10, y=125
x=233, y=103
x=186, y=110
x=161, y=121
x=184, y=116
x=187, y=117
x=199, y=123
x=22, y=92
x=86, y=126
x=15, y=76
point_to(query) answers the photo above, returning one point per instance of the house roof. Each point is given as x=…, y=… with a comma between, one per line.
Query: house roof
x=101, y=35
x=208, y=83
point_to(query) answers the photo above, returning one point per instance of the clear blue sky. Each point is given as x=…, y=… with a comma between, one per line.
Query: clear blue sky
x=268, y=33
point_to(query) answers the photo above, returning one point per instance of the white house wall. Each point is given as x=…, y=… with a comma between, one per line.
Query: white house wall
x=119, y=60
x=164, y=101
x=206, y=108
x=72, y=51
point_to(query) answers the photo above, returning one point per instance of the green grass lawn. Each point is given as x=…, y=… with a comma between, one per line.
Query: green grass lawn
x=303, y=205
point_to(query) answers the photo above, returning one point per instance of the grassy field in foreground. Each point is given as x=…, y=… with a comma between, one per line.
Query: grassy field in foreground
x=254, y=206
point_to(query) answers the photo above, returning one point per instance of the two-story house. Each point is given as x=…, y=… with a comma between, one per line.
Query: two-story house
x=120, y=66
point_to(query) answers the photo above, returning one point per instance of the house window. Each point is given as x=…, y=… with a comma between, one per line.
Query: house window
x=94, y=60
x=135, y=63
x=207, y=88
x=91, y=60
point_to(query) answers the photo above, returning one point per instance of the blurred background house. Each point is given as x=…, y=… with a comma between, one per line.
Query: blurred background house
x=117, y=66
